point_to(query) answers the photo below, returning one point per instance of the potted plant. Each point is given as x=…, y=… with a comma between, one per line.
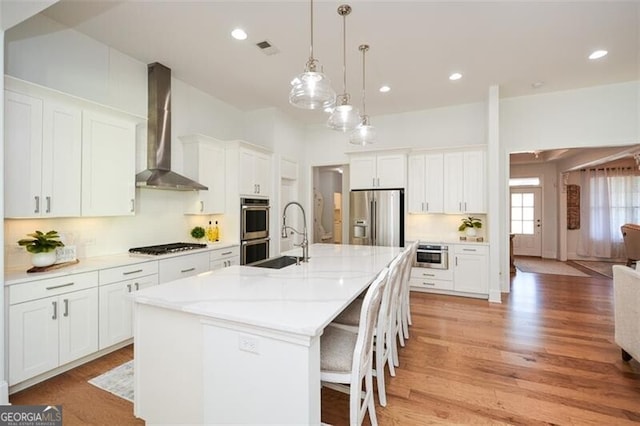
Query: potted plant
x=42, y=247
x=198, y=233
x=469, y=225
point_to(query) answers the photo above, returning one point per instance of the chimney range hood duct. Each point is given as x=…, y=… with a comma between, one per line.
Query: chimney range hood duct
x=158, y=174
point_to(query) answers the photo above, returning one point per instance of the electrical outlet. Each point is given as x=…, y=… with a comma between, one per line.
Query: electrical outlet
x=248, y=344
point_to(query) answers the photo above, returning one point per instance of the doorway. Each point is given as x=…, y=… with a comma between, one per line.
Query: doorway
x=526, y=221
x=329, y=209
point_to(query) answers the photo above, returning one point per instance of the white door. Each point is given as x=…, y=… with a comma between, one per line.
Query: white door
x=526, y=221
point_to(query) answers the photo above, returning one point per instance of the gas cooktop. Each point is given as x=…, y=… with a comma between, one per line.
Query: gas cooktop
x=166, y=248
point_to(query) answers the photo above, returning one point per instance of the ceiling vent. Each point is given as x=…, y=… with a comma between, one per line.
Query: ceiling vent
x=267, y=48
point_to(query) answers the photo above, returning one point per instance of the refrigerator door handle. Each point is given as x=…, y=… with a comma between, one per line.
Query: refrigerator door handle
x=372, y=224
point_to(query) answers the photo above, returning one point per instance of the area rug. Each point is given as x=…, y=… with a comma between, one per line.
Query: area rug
x=603, y=268
x=118, y=381
x=546, y=266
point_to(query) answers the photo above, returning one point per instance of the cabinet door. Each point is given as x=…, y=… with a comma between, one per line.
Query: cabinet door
x=453, y=182
x=262, y=173
x=416, y=184
x=434, y=183
x=246, y=182
x=23, y=155
x=78, y=313
x=362, y=172
x=391, y=171
x=33, y=338
x=108, y=165
x=474, y=182
x=115, y=313
x=205, y=163
x=183, y=266
x=61, y=160
x=470, y=270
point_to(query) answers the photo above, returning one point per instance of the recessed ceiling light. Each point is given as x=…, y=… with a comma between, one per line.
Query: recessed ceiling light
x=597, y=54
x=239, y=34
x=455, y=76
x=384, y=89
x=537, y=84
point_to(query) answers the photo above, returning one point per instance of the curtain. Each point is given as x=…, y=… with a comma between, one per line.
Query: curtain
x=610, y=198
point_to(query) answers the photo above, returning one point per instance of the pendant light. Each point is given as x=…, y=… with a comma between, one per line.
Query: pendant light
x=312, y=89
x=344, y=117
x=366, y=133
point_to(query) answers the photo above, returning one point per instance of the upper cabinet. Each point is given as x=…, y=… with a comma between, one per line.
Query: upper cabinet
x=426, y=188
x=464, y=180
x=42, y=157
x=66, y=156
x=204, y=161
x=254, y=172
x=108, y=165
x=378, y=171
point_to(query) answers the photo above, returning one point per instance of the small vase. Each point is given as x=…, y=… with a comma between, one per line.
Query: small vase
x=45, y=258
x=471, y=232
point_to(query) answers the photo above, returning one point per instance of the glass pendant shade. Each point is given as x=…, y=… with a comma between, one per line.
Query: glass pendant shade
x=312, y=90
x=363, y=135
x=344, y=117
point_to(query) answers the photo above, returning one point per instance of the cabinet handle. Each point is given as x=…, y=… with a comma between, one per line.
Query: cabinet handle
x=373, y=181
x=188, y=270
x=66, y=308
x=55, y=310
x=469, y=249
x=422, y=208
x=427, y=205
x=465, y=206
x=201, y=206
x=133, y=205
x=378, y=181
x=48, y=205
x=426, y=283
x=37, y=210
x=456, y=260
x=259, y=189
x=129, y=287
x=226, y=253
x=428, y=275
x=60, y=286
x=132, y=272
x=137, y=286
x=460, y=206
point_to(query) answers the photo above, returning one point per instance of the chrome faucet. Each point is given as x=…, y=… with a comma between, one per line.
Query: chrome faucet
x=305, y=240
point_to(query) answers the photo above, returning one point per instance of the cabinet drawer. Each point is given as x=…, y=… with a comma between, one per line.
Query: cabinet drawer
x=431, y=274
x=183, y=266
x=471, y=249
x=128, y=272
x=431, y=284
x=51, y=287
x=219, y=254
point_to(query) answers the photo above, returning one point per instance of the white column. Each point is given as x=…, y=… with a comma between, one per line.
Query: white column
x=496, y=184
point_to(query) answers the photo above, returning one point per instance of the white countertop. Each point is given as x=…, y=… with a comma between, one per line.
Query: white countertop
x=300, y=299
x=20, y=275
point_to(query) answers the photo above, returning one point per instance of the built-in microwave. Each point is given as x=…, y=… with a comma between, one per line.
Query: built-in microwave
x=254, y=221
x=432, y=256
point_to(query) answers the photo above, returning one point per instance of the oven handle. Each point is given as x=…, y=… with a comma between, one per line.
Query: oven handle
x=256, y=207
x=254, y=242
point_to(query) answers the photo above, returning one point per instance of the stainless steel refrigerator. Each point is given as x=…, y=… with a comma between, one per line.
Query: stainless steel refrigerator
x=376, y=217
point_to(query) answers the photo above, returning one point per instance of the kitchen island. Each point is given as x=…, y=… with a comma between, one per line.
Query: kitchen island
x=241, y=345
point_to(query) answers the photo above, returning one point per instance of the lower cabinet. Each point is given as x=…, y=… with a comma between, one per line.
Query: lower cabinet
x=226, y=257
x=48, y=332
x=183, y=266
x=432, y=278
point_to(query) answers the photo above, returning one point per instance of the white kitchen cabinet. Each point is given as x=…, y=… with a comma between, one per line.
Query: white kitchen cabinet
x=254, y=172
x=183, y=266
x=116, y=310
x=381, y=171
x=223, y=258
x=51, y=323
x=204, y=162
x=426, y=186
x=470, y=268
x=108, y=165
x=42, y=157
x=429, y=278
x=464, y=182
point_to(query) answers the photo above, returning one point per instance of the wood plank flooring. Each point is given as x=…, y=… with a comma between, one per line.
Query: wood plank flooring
x=546, y=355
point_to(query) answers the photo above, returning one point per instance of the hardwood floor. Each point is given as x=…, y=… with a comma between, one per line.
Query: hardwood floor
x=544, y=356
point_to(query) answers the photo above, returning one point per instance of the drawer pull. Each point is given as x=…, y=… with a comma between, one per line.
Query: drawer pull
x=55, y=310
x=60, y=286
x=188, y=270
x=132, y=272
x=129, y=288
x=425, y=283
x=66, y=308
x=137, y=286
x=226, y=253
x=428, y=275
x=467, y=249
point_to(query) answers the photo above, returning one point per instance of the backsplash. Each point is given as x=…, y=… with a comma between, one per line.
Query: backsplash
x=438, y=227
x=159, y=219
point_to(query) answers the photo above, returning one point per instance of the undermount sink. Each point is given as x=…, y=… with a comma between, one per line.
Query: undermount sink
x=277, y=262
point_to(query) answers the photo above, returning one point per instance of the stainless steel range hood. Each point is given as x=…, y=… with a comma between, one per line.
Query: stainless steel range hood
x=158, y=174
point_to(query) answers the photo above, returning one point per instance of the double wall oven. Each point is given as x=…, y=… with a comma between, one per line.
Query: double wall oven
x=254, y=230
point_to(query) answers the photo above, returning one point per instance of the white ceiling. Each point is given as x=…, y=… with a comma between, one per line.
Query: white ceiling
x=415, y=45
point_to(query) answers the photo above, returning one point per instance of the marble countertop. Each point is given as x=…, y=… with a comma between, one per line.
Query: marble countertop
x=19, y=275
x=300, y=299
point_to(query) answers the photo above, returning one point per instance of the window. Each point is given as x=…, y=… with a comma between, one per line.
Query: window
x=522, y=213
